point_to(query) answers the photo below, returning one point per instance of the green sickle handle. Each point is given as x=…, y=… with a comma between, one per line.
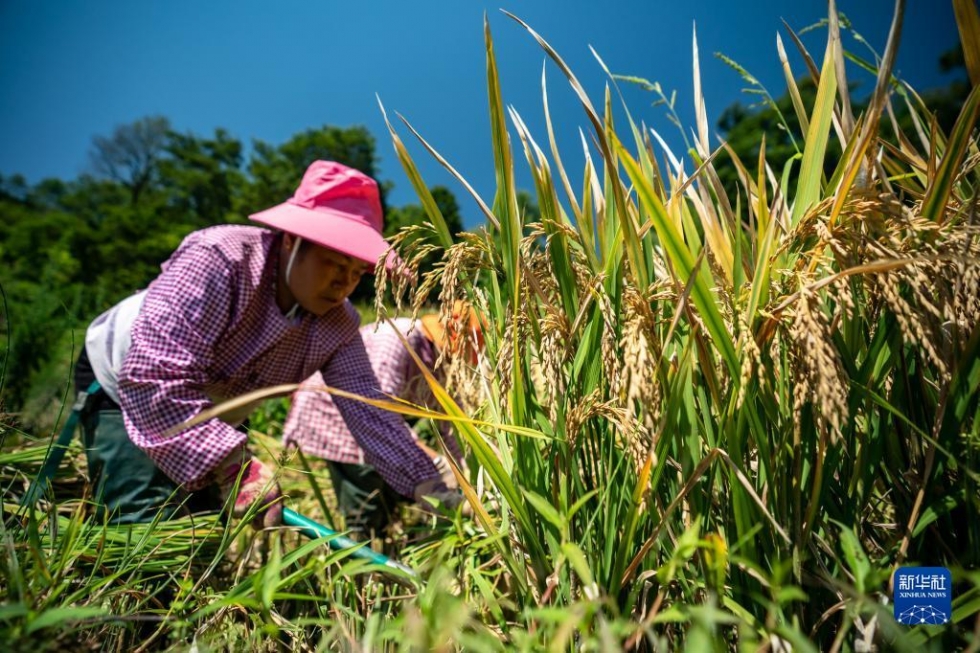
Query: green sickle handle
x=312, y=530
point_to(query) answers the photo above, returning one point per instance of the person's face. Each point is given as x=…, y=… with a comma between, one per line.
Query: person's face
x=321, y=278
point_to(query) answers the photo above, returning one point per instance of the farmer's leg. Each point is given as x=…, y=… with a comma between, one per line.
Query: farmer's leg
x=366, y=501
x=127, y=483
x=128, y=486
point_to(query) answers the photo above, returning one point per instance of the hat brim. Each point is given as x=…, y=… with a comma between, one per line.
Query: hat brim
x=467, y=323
x=329, y=228
x=433, y=329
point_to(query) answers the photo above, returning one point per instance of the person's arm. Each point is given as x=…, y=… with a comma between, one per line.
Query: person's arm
x=399, y=376
x=162, y=381
x=385, y=438
x=316, y=427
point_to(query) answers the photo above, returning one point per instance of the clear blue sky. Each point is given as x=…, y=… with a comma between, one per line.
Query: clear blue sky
x=267, y=70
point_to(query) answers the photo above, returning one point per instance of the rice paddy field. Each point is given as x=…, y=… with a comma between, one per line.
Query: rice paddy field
x=708, y=417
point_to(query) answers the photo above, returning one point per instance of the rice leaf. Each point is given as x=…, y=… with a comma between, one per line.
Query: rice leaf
x=811, y=171
x=968, y=23
x=63, y=615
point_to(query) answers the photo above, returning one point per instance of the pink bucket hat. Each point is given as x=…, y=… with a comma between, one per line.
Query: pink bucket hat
x=336, y=207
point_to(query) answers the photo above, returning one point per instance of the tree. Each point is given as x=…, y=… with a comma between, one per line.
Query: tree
x=129, y=155
x=276, y=171
x=413, y=214
x=13, y=188
x=202, y=177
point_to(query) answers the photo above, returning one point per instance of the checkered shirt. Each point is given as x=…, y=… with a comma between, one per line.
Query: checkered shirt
x=315, y=423
x=210, y=327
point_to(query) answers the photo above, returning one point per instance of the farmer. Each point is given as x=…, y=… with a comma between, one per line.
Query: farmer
x=235, y=309
x=315, y=423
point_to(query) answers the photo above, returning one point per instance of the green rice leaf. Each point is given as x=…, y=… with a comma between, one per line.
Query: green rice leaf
x=811, y=172
x=545, y=509
x=960, y=142
x=682, y=260
x=421, y=189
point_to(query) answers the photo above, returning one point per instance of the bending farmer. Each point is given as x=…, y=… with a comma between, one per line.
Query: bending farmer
x=235, y=309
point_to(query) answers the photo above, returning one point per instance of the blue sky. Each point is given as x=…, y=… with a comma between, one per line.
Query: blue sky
x=267, y=70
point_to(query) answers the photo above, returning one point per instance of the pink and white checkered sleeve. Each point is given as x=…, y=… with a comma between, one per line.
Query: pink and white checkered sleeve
x=389, y=360
x=161, y=384
x=315, y=425
x=385, y=438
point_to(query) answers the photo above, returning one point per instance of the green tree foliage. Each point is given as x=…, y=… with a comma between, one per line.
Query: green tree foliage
x=130, y=153
x=275, y=170
x=399, y=218
x=202, y=178
x=70, y=249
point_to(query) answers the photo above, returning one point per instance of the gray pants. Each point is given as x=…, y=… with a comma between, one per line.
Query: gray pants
x=366, y=501
x=129, y=487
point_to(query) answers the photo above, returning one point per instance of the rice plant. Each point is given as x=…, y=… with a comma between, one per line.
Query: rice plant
x=745, y=401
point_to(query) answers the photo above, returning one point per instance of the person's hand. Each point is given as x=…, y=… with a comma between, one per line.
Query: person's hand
x=442, y=464
x=445, y=470
x=436, y=489
x=254, y=482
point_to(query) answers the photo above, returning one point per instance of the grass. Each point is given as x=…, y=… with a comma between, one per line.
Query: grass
x=704, y=420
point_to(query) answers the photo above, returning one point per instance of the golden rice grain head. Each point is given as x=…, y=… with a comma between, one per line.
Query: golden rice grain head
x=911, y=324
x=752, y=366
x=818, y=371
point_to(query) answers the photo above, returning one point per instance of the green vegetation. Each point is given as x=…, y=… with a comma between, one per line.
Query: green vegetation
x=708, y=417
